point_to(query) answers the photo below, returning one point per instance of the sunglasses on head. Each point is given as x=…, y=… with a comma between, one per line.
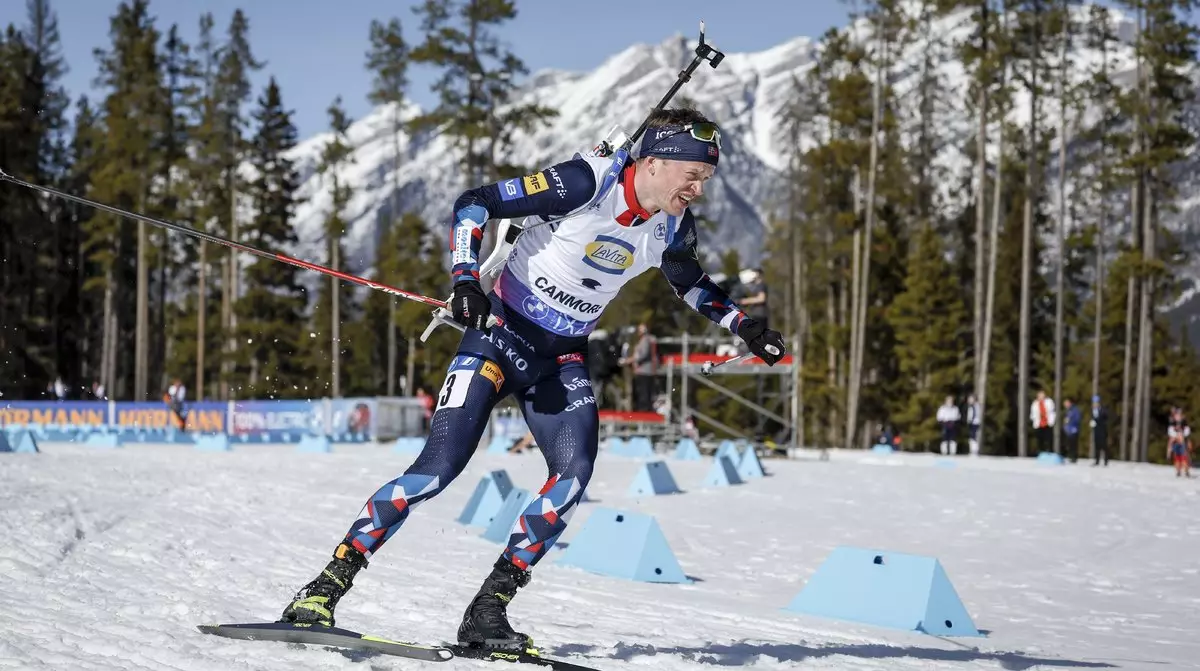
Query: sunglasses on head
x=704, y=131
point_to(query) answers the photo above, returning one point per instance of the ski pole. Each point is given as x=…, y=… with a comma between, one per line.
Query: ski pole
x=707, y=367
x=208, y=237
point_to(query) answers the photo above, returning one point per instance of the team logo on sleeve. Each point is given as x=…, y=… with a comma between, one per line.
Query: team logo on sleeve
x=510, y=189
x=535, y=183
x=609, y=255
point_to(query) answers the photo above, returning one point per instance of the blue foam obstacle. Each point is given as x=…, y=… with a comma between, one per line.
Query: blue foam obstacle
x=1050, y=458
x=634, y=446
x=103, y=439
x=500, y=529
x=409, y=445
x=213, y=442
x=623, y=545
x=311, y=443
x=615, y=444
x=18, y=440
x=687, y=450
x=722, y=474
x=653, y=479
x=728, y=448
x=749, y=467
x=487, y=499
x=886, y=589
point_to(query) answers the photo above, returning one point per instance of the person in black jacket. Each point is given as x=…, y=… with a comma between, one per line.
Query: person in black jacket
x=1099, y=424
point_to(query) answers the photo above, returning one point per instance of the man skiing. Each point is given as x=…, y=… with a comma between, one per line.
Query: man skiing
x=557, y=281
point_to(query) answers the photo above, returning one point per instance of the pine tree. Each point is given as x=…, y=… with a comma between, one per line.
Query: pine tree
x=232, y=92
x=25, y=367
x=84, y=324
x=201, y=202
x=412, y=254
x=388, y=59
x=477, y=83
x=175, y=193
x=926, y=318
x=1168, y=46
x=274, y=300
x=128, y=155
x=330, y=312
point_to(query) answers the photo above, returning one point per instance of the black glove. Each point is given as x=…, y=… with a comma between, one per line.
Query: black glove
x=765, y=343
x=470, y=306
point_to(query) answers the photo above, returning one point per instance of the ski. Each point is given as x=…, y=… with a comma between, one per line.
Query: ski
x=516, y=657
x=326, y=636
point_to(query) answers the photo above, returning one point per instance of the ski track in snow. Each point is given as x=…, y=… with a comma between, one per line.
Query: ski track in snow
x=110, y=558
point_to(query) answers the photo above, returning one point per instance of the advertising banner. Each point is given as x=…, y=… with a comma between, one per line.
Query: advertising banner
x=256, y=417
x=63, y=413
x=202, y=416
x=352, y=416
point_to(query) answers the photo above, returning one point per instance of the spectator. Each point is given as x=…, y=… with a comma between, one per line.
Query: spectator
x=1179, y=443
x=645, y=367
x=1041, y=415
x=1074, y=418
x=1099, y=424
x=426, y=408
x=603, y=362
x=974, y=418
x=947, y=417
x=60, y=389
x=885, y=435
x=174, y=398
x=751, y=295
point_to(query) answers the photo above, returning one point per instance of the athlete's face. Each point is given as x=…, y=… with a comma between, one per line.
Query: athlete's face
x=674, y=184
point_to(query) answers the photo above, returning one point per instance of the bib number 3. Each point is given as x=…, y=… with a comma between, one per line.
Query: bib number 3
x=454, y=390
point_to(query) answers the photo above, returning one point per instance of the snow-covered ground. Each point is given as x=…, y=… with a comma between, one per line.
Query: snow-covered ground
x=109, y=558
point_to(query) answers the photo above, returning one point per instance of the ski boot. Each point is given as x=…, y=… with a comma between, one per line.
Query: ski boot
x=485, y=624
x=314, y=603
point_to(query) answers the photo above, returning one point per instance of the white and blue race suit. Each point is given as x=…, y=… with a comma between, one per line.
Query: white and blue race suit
x=557, y=281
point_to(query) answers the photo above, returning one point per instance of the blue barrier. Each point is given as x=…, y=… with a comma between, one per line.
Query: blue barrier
x=500, y=529
x=107, y=439
x=635, y=446
x=653, y=479
x=886, y=589
x=687, y=450
x=409, y=445
x=749, y=467
x=314, y=444
x=487, y=499
x=722, y=474
x=214, y=442
x=623, y=545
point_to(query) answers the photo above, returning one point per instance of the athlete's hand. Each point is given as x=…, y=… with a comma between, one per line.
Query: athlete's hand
x=470, y=306
x=765, y=343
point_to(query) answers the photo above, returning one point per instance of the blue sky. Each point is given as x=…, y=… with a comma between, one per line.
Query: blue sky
x=315, y=48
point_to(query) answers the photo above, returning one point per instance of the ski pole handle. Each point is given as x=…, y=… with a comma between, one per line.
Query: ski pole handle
x=707, y=367
x=444, y=316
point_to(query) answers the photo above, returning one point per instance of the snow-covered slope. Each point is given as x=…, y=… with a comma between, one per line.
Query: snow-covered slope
x=746, y=95
x=110, y=558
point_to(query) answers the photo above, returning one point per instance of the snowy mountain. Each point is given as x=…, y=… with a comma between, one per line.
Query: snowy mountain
x=745, y=94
